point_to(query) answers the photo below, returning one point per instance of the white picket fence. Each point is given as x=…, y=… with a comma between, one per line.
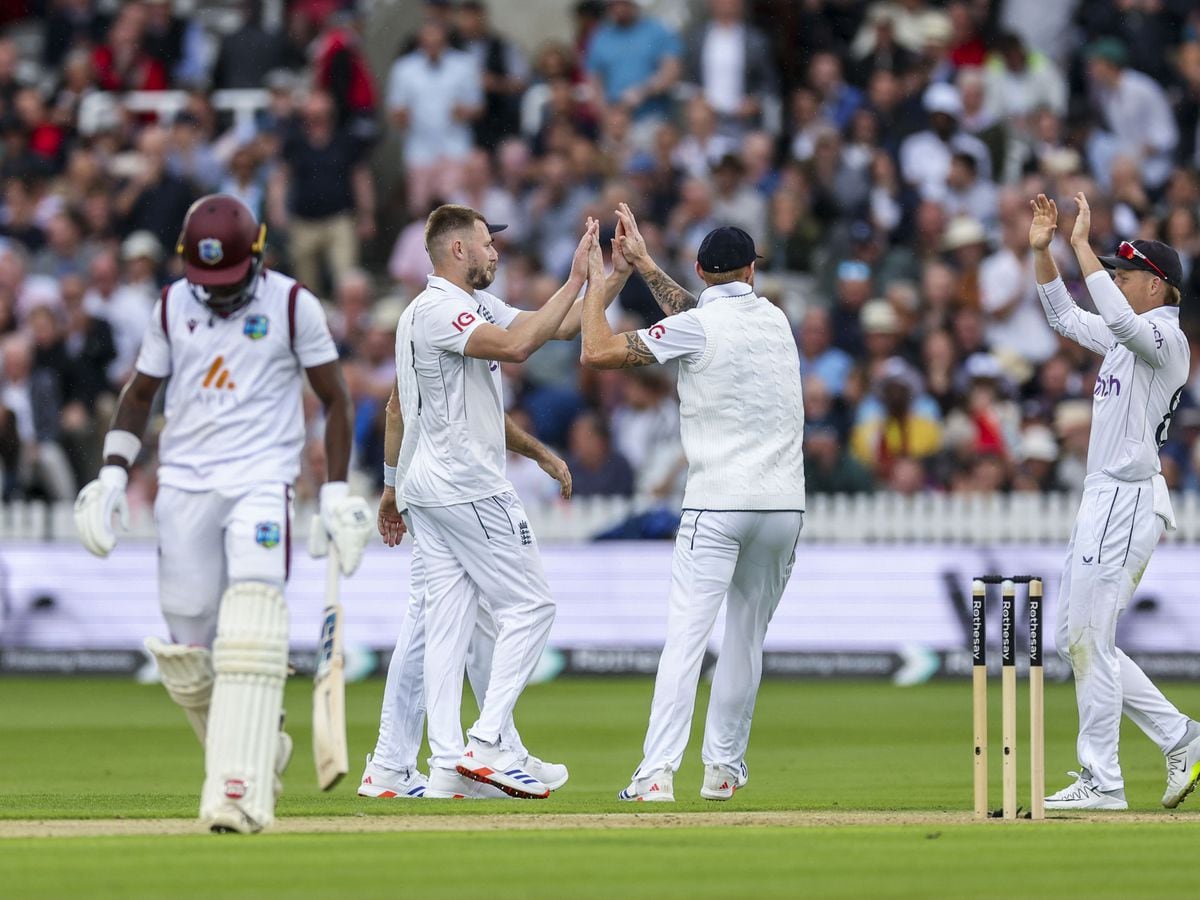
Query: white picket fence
x=873, y=518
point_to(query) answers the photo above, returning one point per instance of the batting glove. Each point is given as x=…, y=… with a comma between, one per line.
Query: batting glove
x=344, y=520
x=95, y=507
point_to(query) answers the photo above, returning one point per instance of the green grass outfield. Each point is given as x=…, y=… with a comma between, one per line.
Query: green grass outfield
x=106, y=749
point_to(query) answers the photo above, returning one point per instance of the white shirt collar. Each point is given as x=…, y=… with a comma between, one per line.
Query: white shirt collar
x=721, y=291
x=1170, y=312
x=445, y=284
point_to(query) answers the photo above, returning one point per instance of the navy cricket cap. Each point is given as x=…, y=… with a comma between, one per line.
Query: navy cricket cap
x=492, y=229
x=1154, y=257
x=725, y=249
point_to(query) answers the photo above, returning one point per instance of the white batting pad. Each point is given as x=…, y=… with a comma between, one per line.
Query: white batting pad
x=250, y=658
x=187, y=674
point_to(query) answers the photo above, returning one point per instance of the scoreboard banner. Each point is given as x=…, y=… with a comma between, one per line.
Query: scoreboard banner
x=882, y=610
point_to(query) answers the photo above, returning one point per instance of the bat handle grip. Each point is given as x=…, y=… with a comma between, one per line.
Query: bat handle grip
x=333, y=571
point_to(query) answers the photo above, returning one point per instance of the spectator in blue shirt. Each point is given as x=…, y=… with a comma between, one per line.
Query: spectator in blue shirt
x=818, y=357
x=634, y=60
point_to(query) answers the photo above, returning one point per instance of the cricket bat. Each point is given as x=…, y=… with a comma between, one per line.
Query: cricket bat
x=329, y=688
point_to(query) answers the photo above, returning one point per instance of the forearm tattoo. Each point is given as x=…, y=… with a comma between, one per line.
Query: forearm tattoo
x=636, y=352
x=669, y=295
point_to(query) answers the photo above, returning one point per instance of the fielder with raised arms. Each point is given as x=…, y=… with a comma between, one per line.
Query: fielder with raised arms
x=1125, y=505
x=392, y=768
x=235, y=341
x=474, y=535
x=741, y=420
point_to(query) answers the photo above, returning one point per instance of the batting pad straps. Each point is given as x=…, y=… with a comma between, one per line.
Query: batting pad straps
x=250, y=658
x=187, y=674
x=123, y=445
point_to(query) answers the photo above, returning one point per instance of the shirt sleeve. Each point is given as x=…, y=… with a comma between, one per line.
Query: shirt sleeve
x=675, y=336
x=669, y=45
x=449, y=324
x=1064, y=315
x=471, y=85
x=1140, y=335
x=504, y=314
x=397, y=93
x=313, y=344
x=154, y=359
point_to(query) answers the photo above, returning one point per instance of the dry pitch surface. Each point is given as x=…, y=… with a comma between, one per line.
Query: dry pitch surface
x=364, y=824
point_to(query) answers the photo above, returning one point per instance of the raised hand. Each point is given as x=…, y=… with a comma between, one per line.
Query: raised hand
x=620, y=264
x=1083, y=222
x=1045, y=222
x=579, y=263
x=595, y=258
x=629, y=239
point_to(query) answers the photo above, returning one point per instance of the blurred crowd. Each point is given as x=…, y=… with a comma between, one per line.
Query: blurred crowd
x=882, y=153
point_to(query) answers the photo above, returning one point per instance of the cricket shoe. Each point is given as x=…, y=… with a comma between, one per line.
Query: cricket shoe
x=447, y=784
x=654, y=787
x=552, y=775
x=1183, y=767
x=229, y=819
x=380, y=782
x=720, y=781
x=500, y=768
x=1084, y=794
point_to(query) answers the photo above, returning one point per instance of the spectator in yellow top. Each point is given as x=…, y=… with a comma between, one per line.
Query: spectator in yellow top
x=899, y=430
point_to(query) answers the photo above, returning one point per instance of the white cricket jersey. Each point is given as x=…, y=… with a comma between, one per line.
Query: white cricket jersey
x=741, y=408
x=460, y=450
x=1146, y=365
x=410, y=406
x=233, y=403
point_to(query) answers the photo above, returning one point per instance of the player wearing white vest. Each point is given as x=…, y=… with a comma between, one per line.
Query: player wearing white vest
x=392, y=768
x=475, y=536
x=233, y=343
x=1125, y=505
x=742, y=420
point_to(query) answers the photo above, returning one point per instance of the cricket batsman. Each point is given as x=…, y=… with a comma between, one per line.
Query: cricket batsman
x=1125, y=505
x=235, y=341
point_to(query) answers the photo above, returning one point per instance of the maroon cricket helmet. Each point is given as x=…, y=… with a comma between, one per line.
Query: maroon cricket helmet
x=222, y=249
x=220, y=241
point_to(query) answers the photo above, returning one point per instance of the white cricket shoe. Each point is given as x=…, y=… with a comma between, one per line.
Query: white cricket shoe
x=1083, y=794
x=229, y=819
x=653, y=787
x=377, y=781
x=448, y=784
x=720, y=781
x=1183, y=769
x=552, y=775
x=501, y=768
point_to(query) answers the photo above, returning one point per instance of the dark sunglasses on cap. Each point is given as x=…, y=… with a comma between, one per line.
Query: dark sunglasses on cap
x=1130, y=252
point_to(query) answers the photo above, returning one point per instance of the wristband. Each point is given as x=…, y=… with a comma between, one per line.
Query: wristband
x=389, y=476
x=123, y=445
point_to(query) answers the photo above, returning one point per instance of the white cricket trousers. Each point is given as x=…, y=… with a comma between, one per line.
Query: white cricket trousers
x=402, y=719
x=485, y=548
x=1115, y=533
x=748, y=557
x=210, y=539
